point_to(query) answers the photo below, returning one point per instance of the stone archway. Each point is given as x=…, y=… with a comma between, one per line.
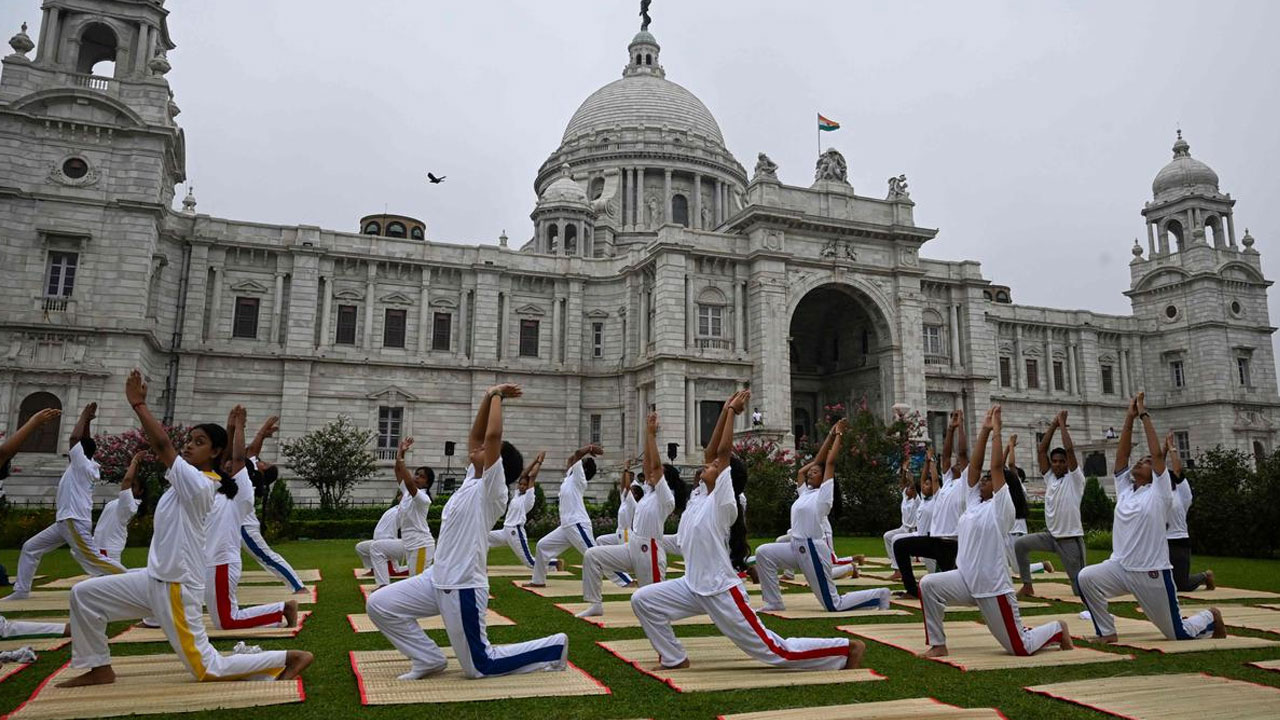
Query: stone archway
x=839, y=351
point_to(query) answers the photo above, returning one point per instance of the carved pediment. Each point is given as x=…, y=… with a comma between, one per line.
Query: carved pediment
x=396, y=298
x=530, y=309
x=597, y=314
x=444, y=303
x=348, y=295
x=392, y=395
x=250, y=286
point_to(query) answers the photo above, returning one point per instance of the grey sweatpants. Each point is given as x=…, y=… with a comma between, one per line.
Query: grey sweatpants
x=1071, y=550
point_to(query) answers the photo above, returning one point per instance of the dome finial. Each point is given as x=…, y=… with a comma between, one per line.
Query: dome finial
x=1136, y=249
x=644, y=15
x=1180, y=147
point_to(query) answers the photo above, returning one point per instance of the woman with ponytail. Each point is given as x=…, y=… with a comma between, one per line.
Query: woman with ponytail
x=711, y=584
x=170, y=588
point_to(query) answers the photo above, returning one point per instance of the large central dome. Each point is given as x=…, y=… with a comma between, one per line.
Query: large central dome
x=647, y=100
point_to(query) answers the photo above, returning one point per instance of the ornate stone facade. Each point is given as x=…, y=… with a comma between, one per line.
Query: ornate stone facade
x=657, y=276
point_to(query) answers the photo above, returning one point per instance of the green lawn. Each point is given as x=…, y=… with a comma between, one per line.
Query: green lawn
x=331, y=688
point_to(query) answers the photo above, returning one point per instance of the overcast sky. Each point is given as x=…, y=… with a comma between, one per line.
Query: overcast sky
x=1029, y=131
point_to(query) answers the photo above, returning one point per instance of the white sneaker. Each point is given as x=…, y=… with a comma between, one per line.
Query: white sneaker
x=15, y=596
x=592, y=610
x=420, y=674
x=1086, y=615
x=242, y=649
x=772, y=608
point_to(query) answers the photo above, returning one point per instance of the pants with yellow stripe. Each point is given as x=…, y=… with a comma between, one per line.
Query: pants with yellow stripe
x=375, y=554
x=76, y=534
x=180, y=611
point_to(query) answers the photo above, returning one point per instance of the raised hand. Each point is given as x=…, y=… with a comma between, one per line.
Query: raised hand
x=955, y=418
x=1133, y=407
x=405, y=443
x=842, y=425
x=996, y=421
x=46, y=415
x=593, y=449
x=237, y=416
x=652, y=423
x=1013, y=440
x=135, y=388
x=928, y=453
x=541, y=456
x=270, y=427
x=91, y=411
x=738, y=403
x=507, y=390
x=988, y=422
x=1140, y=402
x=1061, y=419
x=1168, y=442
x=137, y=458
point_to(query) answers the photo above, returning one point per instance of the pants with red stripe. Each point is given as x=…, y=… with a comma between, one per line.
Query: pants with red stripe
x=643, y=558
x=658, y=605
x=938, y=590
x=220, y=584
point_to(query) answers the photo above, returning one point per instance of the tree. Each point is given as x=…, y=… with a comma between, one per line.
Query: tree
x=771, y=488
x=1096, y=509
x=116, y=451
x=332, y=460
x=1224, y=519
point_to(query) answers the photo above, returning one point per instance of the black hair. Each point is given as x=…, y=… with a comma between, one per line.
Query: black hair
x=218, y=439
x=1056, y=452
x=1176, y=478
x=589, y=467
x=739, y=548
x=837, y=498
x=1016, y=493
x=89, y=446
x=679, y=488
x=637, y=492
x=512, y=462
x=5, y=468
x=261, y=479
x=431, y=475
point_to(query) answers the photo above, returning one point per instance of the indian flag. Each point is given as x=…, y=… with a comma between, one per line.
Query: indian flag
x=827, y=124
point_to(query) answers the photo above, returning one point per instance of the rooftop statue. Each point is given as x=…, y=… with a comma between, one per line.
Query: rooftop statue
x=831, y=167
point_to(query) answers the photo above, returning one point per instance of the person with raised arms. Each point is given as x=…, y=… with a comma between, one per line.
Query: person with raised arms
x=415, y=547
x=519, y=505
x=1063, y=489
x=111, y=533
x=1015, y=480
x=1178, y=537
x=948, y=505
x=575, y=524
x=629, y=494
x=264, y=475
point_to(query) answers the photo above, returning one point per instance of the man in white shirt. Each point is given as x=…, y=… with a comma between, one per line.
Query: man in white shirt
x=948, y=504
x=112, y=531
x=1139, y=562
x=415, y=546
x=575, y=523
x=72, y=525
x=1064, y=532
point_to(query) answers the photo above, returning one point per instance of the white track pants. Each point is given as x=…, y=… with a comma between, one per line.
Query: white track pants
x=613, y=538
x=659, y=604
x=395, y=610
x=220, y=585
x=888, y=544
x=1155, y=592
x=180, y=612
x=513, y=537
x=813, y=558
x=76, y=534
x=26, y=628
x=268, y=559
x=381, y=555
x=557, y=541
x=671, y=545
x=644, y=558
x=938, y=590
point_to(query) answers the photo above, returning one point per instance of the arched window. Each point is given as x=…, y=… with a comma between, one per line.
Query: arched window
x=934, y=336
x=395, y=229
x=45, y=438
x=570, y=239
x=648, y=59
x=1213, y=231
x=553, y=237
x=639, y=59
x=416, y=233
x=1002, y=296
x=680, y=209
x=1172, y=237
x=372, y=228
x=97, y=45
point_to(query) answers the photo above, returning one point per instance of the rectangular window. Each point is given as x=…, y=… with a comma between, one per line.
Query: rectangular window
x=1108, y=380
x=529, y=338
x=1006, y=372
x=710, y=321
x=933, y=340
x=1033, y=374
x=1183, y=440
x=1059, y=376
x=1242, y=371
x=441, y=331
x=389, y=421
x=708, y=414
x=1177, y=375
x=393, y=328
x=61, y=278
x=597, y=339
x=595, y=429
x=346, y=325
x=245, y=324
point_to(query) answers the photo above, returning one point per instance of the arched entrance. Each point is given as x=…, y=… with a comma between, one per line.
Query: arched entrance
x=840, y=352
x=45, y=438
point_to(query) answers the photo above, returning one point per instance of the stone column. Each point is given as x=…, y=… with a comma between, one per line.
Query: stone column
x=1231, y=229
x=1189, y=229
x=697, y=202
x=1126, y=388
x=43, y=40
x=1019, y=369
x=573, y=322
x=326, y=312
x=215, y=311
x=370, y=288
x=690, y=316
x=739, y=312
x=954, y=312
x=424, y=310
x=666, y=194
x=139, y=59
x=1151, y=239
x=299, y=313
x=1046, y=370
x=690, y=417
x=193, y=325
x=640, y=223
x=716, y=208
x=53, y=38
x=1073, y=382
x=500, y=333
x=556, y=321
x=277, y=308
x=462, y=348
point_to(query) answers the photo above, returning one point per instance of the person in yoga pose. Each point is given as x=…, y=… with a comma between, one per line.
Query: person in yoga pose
x=521, y=502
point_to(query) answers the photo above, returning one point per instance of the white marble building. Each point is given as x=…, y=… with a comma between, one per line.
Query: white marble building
x=658, y=274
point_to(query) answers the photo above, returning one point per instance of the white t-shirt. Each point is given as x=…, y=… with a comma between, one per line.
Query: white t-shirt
x=462, y=555
x=810, y=509
x=981, y=556
x=1062, y=503
x=251, y=518
x=626, y=511
x=909, y=508
x=414, y=530
x=652, y=511
x=703, y=537
x=388, y=527
x=112, y=531
x=177, y=543
x=518, y=506
x=696, y=496
x=924, y=515
x=75, y=489
x=1138, y=530
x=1178, y=513
x=948, y=504
x=572, y=511
x=222, y=524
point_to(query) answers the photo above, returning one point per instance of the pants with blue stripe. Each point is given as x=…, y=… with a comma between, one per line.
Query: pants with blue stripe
x=513, y=536
x=1155, y=592
x=812, y=557
x=562, y=538
x=396, y=609
x=270, y=560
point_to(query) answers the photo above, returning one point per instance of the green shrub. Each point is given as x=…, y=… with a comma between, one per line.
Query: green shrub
x=1098, y=540
x=1229, y=515
x=278, y=505
x=1096, y=509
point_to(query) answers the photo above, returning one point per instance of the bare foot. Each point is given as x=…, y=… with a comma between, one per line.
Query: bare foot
x=683, y=664
x=1048, y=566
x=367, y=573
x=66, y=632
x=295, y=661
x=291, y=613
x=936, y=651
x=896, y=576
x=1219, y=626
x=101, y=675
x=754, y=574
x=1209, y=581
x=1027, y=590
x=1064, y=641
x=303, y=591
x=532, y=584
x=857, y=649
x=854, y=572
x=1107, y=639
x=859, y=559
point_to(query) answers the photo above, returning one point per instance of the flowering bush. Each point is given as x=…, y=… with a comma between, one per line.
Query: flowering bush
x=771, y=471
x=115, y=451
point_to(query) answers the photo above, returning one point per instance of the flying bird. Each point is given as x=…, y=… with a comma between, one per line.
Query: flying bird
x=436, y=180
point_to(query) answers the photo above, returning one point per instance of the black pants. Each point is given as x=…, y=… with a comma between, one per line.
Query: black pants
x=1180, y=557
x=905, y=548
